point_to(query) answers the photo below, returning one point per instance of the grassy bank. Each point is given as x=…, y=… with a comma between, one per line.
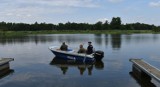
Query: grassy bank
x=12, y=33
x=23, y=33
x=92, y=32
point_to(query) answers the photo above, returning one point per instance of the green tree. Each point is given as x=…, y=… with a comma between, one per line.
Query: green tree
x=116, y=23
x=106, y=25
x=98, y=25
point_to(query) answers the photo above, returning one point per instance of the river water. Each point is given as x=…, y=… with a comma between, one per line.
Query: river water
x=34, y=64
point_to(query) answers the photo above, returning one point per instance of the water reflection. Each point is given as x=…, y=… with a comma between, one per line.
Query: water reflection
x=143, y=82
x=64, y=65
x=6, y=72
x=116, y=41
x=32, y=57
x=98, y=39
x=25, y=39
x=106, y=39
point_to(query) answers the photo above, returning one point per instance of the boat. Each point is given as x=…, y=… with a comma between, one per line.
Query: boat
x=72, y=54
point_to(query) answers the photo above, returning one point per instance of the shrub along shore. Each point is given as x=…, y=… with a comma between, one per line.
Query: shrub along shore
x=24, y=33
x=114, y=27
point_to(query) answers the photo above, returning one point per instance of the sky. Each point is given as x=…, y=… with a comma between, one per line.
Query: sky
x=80, y=11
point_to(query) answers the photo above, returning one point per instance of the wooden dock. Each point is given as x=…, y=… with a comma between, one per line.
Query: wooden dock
x=5, y=67
x=141, y=67
x=4, y=63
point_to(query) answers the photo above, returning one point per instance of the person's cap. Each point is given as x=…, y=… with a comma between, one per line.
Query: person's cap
x=89, y=42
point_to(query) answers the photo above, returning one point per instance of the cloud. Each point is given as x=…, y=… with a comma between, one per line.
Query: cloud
x=155, y=4
x=115, y=1
x=103, y=20
x=40, y=9
x=43, y=6
x=59, y=3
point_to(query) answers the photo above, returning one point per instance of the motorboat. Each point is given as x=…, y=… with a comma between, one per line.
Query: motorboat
x=72, y=54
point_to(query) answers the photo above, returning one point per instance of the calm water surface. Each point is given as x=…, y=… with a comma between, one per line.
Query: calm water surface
x=34, y=65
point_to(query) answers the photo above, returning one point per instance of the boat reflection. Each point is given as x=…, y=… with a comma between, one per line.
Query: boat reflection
x=82, y=67
x=143, y=82
x=5, y=72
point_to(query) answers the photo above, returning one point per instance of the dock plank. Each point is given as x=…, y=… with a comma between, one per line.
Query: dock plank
x=5, y=60
x=147, y=68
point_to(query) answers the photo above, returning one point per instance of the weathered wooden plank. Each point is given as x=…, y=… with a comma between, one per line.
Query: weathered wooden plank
x=4, y=63
x=5, y=60
x=147, y=68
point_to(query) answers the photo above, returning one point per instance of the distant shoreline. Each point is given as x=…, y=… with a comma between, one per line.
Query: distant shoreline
x=24, y=33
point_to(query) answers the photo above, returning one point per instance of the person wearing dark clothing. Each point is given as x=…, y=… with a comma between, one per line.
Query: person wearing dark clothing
x=81, y=49
x=64, y=47
x=89, y=48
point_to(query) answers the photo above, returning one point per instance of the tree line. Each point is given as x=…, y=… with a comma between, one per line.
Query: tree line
x=115, y=24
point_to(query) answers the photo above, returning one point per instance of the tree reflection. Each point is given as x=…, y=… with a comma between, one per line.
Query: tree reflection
x=128, y=37
x=33, y=38
x=98, y=39
x=116, y=41
x=42, y=39
x=106, y=39
x=64, y=65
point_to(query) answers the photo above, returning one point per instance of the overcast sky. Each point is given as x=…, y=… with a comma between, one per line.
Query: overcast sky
x=88, y=11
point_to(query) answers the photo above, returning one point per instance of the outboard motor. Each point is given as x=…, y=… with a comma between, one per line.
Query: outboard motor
x=98, y=55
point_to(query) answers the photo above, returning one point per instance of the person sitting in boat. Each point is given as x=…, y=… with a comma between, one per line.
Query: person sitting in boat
x=81, y=49
x=89, y=48
x=64, y=47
